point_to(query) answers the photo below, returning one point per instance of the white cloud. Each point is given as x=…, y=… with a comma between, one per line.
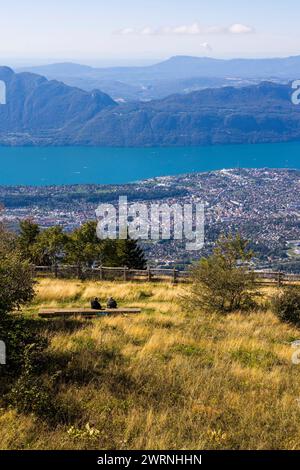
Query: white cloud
x=147, y=31
x=187, y=29
x=238, y=28
x=194, y=29
x=206, y=46
x=215, y=30
x=127, y=31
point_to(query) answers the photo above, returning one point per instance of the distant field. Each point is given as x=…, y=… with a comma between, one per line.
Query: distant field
x=165, y=379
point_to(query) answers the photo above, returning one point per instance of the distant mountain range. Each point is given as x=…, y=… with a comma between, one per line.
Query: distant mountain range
x=38, y=108
x=42, y=112
x=179, y=74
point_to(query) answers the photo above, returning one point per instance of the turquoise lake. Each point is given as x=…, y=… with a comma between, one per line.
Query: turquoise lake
x=39, y=166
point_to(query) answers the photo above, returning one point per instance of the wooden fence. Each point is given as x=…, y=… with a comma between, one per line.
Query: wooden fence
x=112, y=274
x=147, y=275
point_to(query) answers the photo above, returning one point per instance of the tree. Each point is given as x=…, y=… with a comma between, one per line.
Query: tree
x=16, y=281
x=233, y=249
x=84, y=247
x=130, y=254
x=50, y=245
x=286, y=305
x=119, y=253
x=110, y=256
x=28, y=234
x=223, y=282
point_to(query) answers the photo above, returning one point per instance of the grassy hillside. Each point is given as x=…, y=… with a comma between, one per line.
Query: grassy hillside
x=165, y=379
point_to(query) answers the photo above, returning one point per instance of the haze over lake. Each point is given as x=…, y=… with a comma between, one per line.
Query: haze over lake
x=39, y=166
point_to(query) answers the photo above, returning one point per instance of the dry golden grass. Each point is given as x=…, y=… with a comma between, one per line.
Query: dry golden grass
x=165, y=379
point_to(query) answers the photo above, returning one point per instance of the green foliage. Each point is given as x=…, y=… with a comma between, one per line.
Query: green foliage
x=50, y=245
x=21, y=384
x=28, y=234
x=130, y=254
x=223, y=282
x=84, y=247
x=24, y=386
x=286, y=305
x=16, y=282
x=119, y=253
x=255, y=358
x=81, y=247
x=233, y=249
x=109, y=253
x=30, y=393
x=22, y=340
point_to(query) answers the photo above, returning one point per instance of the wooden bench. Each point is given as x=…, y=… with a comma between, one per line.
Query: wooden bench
x=86, y=312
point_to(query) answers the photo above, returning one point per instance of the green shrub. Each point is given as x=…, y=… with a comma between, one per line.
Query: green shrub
x=31, y=393
x=222, y=282
x=21, y=338
x=286, y=305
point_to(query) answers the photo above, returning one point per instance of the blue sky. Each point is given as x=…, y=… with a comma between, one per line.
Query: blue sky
x=134, y=30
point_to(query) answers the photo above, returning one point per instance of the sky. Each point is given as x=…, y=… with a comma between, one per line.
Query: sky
x=140, y=31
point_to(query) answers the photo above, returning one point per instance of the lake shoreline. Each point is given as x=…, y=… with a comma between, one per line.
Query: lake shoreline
x=48, y=166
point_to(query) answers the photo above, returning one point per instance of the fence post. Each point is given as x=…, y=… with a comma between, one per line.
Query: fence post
x=279, y=279
x=79, y=272
x=56, y=271
x=175, y=272
x=125, y=273
x=149, y=274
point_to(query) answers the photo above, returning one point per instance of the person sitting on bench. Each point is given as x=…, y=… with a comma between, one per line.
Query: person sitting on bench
x=111, y=303
x=95, y=304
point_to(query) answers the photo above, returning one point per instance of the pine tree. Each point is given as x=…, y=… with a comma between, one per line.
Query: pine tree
x=130, y=254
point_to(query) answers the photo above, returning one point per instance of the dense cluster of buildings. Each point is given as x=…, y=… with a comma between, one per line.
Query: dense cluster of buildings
x=262, y=204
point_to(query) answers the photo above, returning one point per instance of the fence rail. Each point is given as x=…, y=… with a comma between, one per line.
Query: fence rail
x=103, y=273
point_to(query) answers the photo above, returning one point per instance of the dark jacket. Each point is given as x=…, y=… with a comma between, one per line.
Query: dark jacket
x=111, y=303
x=95, y=305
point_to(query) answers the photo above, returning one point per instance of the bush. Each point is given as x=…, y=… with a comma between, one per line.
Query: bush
x=28, y=391
x=223, y=282
x=286, y=305
x=22, y=340
x=22, y=386
x=16, y=281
